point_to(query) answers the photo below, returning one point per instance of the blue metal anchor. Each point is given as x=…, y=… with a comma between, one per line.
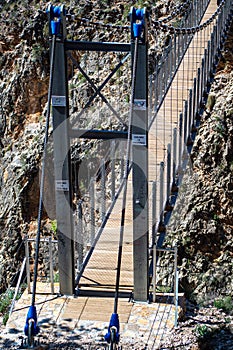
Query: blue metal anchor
x=138, y=16
x=31, y=328
x=113, y=335
x=55, y=13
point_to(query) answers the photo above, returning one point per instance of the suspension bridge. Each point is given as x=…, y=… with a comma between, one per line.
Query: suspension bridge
x=113, y=207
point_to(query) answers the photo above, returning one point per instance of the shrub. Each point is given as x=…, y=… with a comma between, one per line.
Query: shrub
x=225, y=304
x=5, y=301
x=202, y=331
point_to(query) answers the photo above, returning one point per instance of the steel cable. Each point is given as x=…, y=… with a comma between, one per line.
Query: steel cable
x=125, y=179
x=184, y=30
x=40, y=209
x=179, y=10
x=97, y=24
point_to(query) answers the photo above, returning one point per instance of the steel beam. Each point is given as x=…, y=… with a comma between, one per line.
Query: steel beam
x=97, y=46
x=62, y=171
x=140, y=171
x=98, y=134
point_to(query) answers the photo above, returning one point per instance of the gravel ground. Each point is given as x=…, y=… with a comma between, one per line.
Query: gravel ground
x=206, y=328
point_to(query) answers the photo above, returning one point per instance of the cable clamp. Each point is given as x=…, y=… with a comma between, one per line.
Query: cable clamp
x=55, y=15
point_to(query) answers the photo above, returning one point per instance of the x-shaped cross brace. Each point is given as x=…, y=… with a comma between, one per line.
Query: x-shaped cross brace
x=98, y=89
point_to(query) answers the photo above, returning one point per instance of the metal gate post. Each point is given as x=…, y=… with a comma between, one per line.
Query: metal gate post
x=140, y=158
x=62, y=161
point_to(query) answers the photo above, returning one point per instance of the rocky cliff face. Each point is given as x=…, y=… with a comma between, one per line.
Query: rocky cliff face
x=202, y=224
x=23, y=75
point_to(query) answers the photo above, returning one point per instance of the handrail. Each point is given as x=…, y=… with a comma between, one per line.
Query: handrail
x=18, y=285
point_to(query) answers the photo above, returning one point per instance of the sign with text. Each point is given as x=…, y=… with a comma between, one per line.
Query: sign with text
x=62, y=185
x=139, y=140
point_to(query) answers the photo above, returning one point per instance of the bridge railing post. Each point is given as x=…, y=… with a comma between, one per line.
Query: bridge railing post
x=168, y=191
x=113, y=172
x=180, y=146
x=161, y=192
x=174, y=157
x=175, y=52
x=51, y=264
x=205, y=71
x=185, y=121
x=27, y=255
x=194, y=102
x=103, y=189
x=154, y=211
x=80, y=236
x=208, y=67
x=212, y=63
x=150, y=98
x=92, y=210
x=215, y=43
x=202, y=78
x=218, y=35
x=156, y=88
x=198, y=88
x=190, y=99
x=221, y=27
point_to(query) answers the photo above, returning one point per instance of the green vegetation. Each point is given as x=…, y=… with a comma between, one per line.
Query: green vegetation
x=54, y=227
x=5, y=303
x=202, y=331
x=226, y=304
x=37, y=50
x=216, y=217
x=163, y=289
x=56, y=277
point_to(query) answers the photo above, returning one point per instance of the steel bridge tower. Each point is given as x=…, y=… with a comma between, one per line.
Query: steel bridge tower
x=62, y=159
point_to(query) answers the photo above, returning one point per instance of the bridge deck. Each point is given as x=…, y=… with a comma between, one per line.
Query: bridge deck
x=101, y=269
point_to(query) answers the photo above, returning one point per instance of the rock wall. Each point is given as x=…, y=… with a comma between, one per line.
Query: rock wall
x=23, y=74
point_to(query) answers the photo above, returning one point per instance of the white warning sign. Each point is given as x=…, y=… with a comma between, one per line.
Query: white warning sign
x=62, y=185
x=139, y=140
x=58, y=101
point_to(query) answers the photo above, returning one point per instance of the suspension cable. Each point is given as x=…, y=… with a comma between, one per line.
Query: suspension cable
x=40, y=209
x=184, y=30
x=125, y=179
x=96, y=24
x=178, y=10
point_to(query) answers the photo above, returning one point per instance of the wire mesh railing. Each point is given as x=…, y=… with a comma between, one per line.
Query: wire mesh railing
x=48, y=261
x=95, y=206
x=177, y=119
x=171, y=55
